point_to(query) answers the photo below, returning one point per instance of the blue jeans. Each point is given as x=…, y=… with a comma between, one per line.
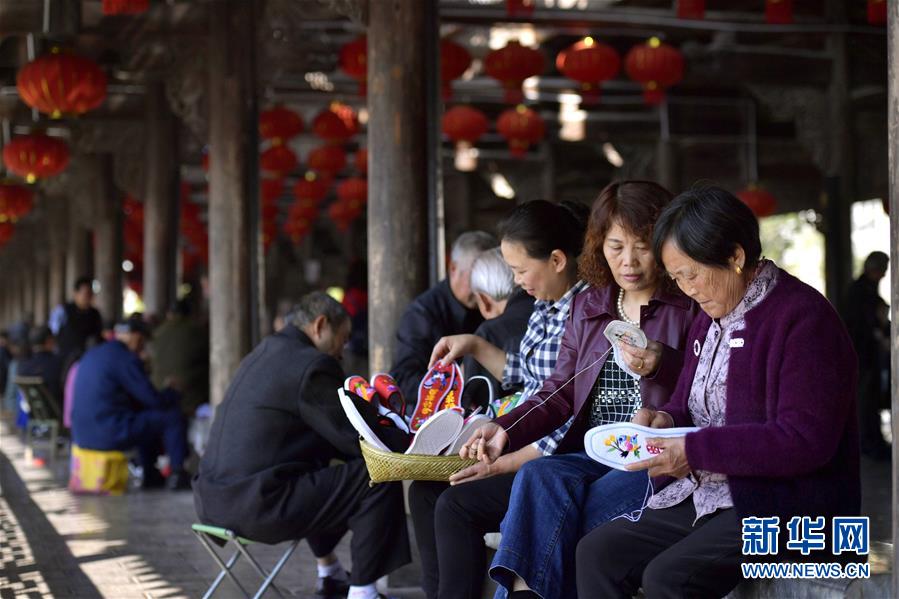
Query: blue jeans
x=555, y=501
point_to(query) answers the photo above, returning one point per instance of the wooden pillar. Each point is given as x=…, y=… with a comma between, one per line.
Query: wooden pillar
x=893, y=129
x=233, y=189
x=161, y=204
x=398, y=179
x=77, y=263
x=58, y=245
x=839, y=184
x=108, y=239
x=41, y=287
x=666, y=166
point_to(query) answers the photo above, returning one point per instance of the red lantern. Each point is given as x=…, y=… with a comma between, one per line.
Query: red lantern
x=877, y=12
x=657, y=66
x=58, y=84
x=279, y=160
x=761, y=202
x=342, y=215
x=269, y=234
x=464, y=124
x=327, y=159
x=778, y=12
x=353, y=61
x=520, y=8
x=690, y=9
x=125, y=7
x=511, y=66
x=336, y=124
x=311, y=187
x=279, y=124
x=271, y=189
x=521, y=127
x=454, y=61
x=36, y=156
x=361, y=160
x=15, y=202
x=590, y=63
x=353, y=192
x=6, y=232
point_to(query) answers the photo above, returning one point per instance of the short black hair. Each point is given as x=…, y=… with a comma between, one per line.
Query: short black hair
x=542, y=227
x=81, y=282
x=40, y=335
x=707, y=224
x=315, y=304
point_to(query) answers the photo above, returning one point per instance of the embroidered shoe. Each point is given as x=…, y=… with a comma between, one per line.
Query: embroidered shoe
x=472, y=423
x=358, y=385
x=431, y=392
x=365, y=419
x=620, y=444
x=478, y=394
x=436, y=433
x=453, y=398
x=389, y=393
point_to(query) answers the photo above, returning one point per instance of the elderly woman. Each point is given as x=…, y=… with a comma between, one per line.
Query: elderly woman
x=770, y=380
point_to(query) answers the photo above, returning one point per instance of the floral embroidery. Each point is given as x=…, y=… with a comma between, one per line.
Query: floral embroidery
x=624, y=444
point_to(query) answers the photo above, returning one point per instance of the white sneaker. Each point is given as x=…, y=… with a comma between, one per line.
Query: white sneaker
x=472, y=423
x=620, y=444
x=436, y=433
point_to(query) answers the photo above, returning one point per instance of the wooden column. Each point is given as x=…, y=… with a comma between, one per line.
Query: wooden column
x=58, y=244
x=41, y=287
x=27, y=311
x=108, y=239
x=77, y=263
x=893, y=129
x=233, y=189
x=398, y=179
x=161, y=204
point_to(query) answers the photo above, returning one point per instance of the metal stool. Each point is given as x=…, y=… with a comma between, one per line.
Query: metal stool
x=224, y=537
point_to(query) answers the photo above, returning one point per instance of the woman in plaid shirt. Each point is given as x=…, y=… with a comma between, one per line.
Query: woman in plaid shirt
x=541, y=242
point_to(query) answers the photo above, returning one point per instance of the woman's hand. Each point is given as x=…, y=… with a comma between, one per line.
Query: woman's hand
x=449, y=349
x=486, y=444
x=671, y=462
x=653, y=418
x=477, y=472
x=644, y=362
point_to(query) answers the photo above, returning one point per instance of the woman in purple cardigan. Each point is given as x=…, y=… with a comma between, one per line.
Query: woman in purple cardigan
x=771, y=382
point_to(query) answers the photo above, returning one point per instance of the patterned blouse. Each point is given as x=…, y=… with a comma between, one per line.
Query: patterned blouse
x=708, y=398
x=615, y=396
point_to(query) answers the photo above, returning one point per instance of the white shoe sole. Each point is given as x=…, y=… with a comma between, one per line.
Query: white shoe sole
x=436, y=433
x=474, y=423
x=359, y=423
x=604, y=443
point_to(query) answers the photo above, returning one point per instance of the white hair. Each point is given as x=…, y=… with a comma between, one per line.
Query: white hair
x=469, y=246
x=492, y=276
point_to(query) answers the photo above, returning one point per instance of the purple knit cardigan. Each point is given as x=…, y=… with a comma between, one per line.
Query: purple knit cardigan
x=790, y=443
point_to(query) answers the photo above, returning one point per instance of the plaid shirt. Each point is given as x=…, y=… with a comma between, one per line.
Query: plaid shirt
x=537, y=355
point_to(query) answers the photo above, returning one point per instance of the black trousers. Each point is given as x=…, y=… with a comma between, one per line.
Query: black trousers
x=325, y=504
x=664, y=553
x=450, y=524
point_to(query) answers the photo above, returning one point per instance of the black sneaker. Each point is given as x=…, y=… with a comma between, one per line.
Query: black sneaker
x=332, y=588
x=179, y=480
x=152, y=479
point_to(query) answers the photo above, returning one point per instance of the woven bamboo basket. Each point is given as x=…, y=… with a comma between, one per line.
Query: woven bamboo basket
x=386, y=466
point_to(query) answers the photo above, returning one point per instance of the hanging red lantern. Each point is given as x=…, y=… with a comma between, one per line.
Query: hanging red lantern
x=360, y=160
x=353, y=192
x=15, y=202
x=125, y=7
x=454, y=61
x=6, y=233
x=311, y=187
x=271, y=189
x=778, y=12
x=590, y=63
x=760, y=201
x=877, y=12
x=522, y=127
x=60, y=84
x=690, y=9
x=511, y=65
x=353, y=61
x=657, y=66
x=327, y=159
x=279, y=124
x=520, y=8
x=342, y=215
x=297, y=229
x=36, y=156
x=464, y=124
x=278, y=160
x=334, y=124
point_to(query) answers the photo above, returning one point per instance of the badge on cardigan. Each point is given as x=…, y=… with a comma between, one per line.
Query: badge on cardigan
x=696, y=347
x=736, y=342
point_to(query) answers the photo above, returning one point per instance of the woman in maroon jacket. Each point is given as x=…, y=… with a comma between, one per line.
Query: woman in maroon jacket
x=558, y=499
x=770, y=379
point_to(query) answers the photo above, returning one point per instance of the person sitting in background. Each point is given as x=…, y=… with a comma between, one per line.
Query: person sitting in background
x=180, y=351
x=44, y=362
x=116, y=406
x=448, y=308
x=266, y=472
x=506, y=309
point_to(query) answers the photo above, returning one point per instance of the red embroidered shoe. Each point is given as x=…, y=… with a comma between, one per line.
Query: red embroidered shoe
x=358, y=385
x=431, y=393
x=389, y=393
x=453, y=397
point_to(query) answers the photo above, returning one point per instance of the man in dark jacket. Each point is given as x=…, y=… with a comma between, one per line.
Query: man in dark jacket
x=44, y=363
x=77, y=321
x=266, y=472
x=449, y=308
x=506, y=310
x=116, y=406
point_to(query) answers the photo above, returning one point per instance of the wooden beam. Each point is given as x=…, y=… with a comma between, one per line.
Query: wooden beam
x=398, y=179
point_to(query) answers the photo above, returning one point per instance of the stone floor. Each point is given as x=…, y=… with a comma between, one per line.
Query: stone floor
x=55, y=544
